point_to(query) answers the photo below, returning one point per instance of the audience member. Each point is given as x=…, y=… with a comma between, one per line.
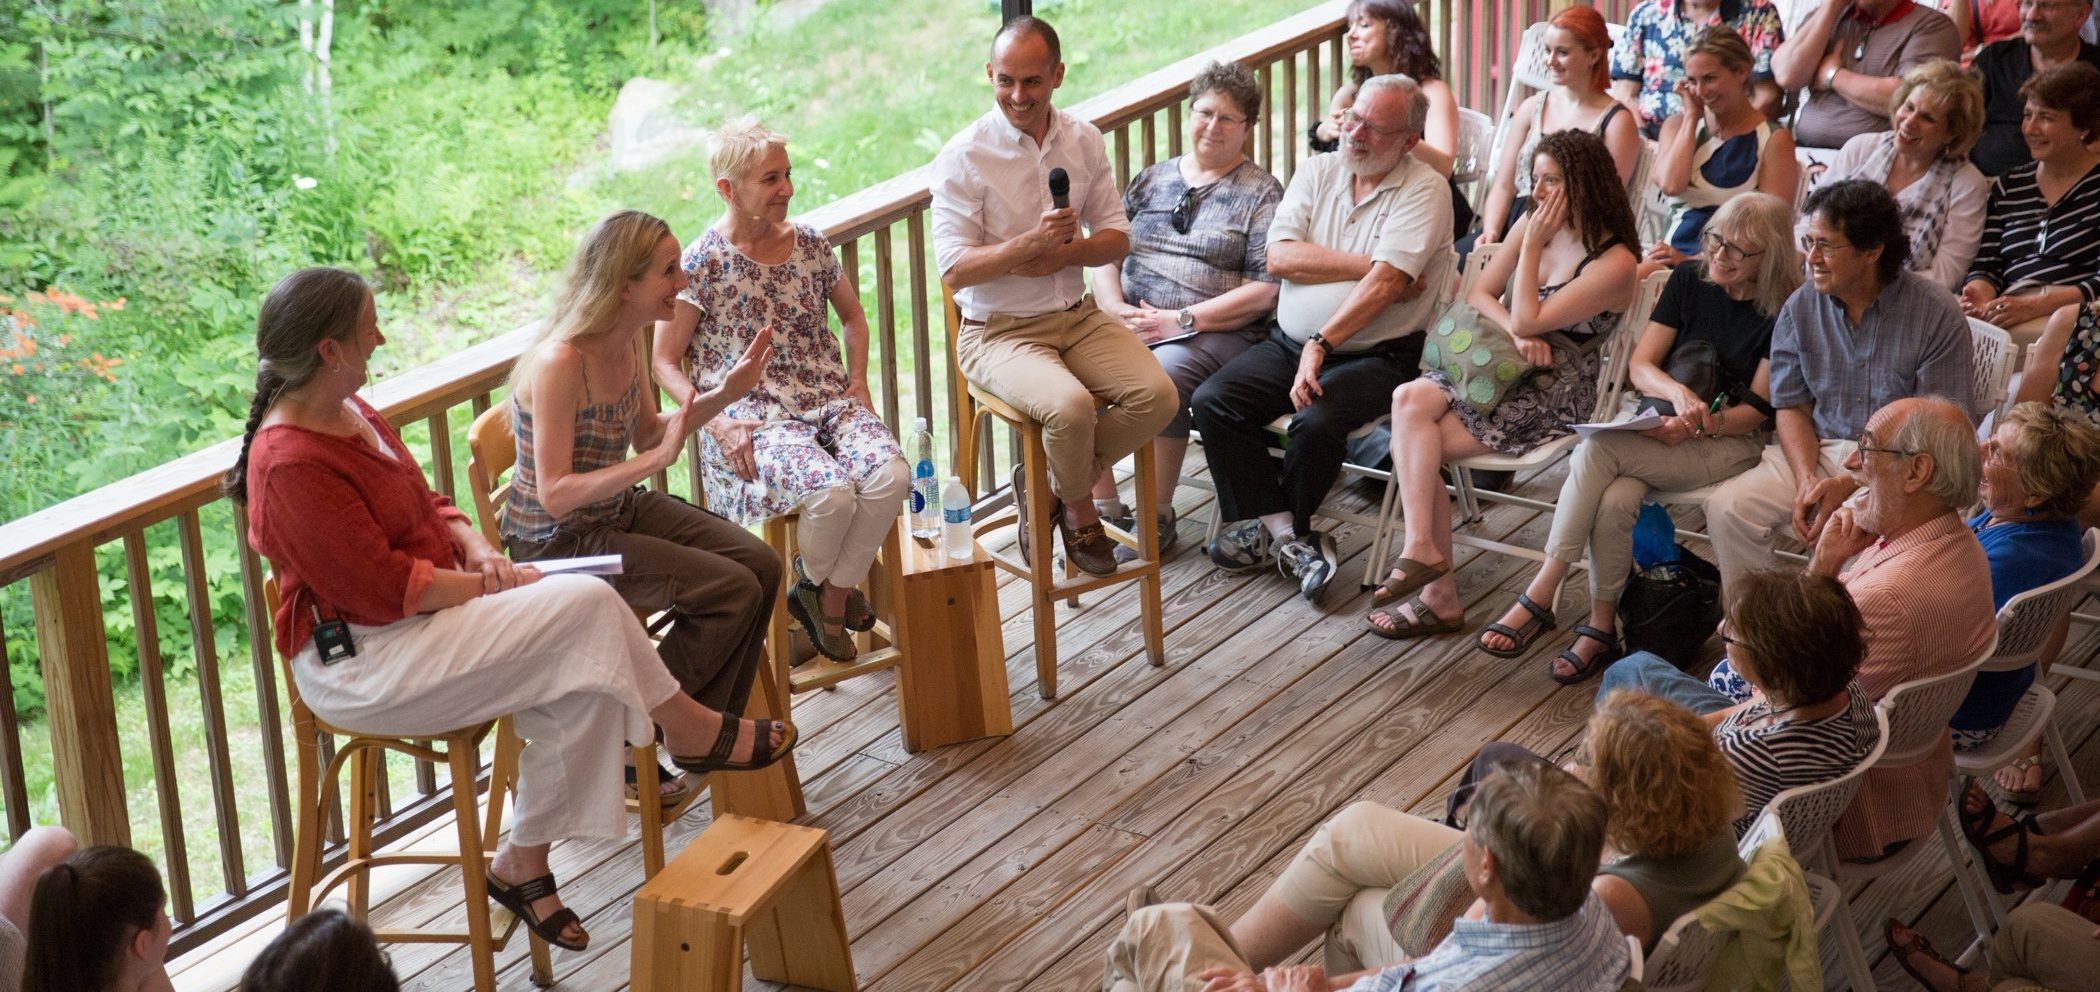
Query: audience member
x=1647, y=68
x=806, y=439
x=2026, y=851
x=1984, y=22
x=2041, y=945
x=1195, y=287
x=2045, y=36
x=2041, y=236
x=1718, y=147
x=1850, y=56
x=577, y=407
x=326, y=950
x=98, y=922
x=1795, y=640
x=1924, y=161
x=1530, y=852
x=1917, y=462
x=1861, y=333
x=1577, y=48
x=1389, y=37
x=25, y=861
x=1670, y=796
x=2039, y=467
x=1712, y=323
x=1030, y=334
x=2060, y=366
x=400, y=618
x=1558, y=292
x=1359, y=242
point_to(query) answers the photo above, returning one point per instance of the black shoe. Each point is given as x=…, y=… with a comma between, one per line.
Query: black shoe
x=1241, y=547
x=1311, y=560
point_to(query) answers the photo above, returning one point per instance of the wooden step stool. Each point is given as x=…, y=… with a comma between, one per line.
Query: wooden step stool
x=743, y=883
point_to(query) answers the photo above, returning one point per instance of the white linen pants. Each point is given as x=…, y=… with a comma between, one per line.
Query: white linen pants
x=563, y=656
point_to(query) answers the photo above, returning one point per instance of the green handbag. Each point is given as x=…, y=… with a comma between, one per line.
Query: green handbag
x=1480, y=359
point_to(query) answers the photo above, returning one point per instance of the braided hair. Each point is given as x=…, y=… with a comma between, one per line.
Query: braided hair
x=84, y=911
x=302, y=310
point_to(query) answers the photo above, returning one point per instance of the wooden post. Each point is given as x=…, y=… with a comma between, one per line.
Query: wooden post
x=86, y=764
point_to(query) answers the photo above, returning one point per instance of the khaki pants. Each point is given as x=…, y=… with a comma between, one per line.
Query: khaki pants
x=1162, y=948
x=1750, y=512
x=2043, y=945
x=1608, y=477
x=1342, y=876
x=1060, y=369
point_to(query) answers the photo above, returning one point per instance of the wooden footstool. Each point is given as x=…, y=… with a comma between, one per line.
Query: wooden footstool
x=743, y=883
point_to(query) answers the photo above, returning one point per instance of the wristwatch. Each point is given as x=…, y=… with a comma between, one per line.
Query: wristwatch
x=1326, y=346
x=1186, y=318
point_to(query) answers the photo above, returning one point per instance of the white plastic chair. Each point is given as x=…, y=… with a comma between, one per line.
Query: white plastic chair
x=1475, y=153
x=1991, y=364
x=1643, y=168
x=1526, y=76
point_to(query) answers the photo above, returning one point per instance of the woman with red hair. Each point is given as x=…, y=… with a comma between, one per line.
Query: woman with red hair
x=1578, y=61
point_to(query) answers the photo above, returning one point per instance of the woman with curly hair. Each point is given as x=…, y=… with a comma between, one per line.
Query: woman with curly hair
x=1557, y=289
x=1388, y=36
x=1668, y=793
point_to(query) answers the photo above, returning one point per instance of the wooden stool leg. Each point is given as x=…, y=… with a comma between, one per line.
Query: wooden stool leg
x=1042, y=573
x=473, y=867
x=779, y=642
x=800, y=939
x=1148, y=546
x=365, y=768
x=306, y=836
x=647, y=775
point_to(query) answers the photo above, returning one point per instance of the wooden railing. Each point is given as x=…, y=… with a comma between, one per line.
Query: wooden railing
x=68, y=552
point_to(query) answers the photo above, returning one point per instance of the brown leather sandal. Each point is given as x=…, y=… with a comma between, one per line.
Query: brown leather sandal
x=1413, y=575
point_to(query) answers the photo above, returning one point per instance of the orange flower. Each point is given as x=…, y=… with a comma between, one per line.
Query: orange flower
x=64, y=340
x=16, y=368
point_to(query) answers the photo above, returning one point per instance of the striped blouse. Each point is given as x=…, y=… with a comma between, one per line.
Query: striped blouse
x=1773, y=758
x=2027, y=242
x=603, y=432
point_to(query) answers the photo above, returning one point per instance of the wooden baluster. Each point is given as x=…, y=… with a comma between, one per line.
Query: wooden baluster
x=1122, y=157
x=14, y=786
x=1148, y=140
x=159, y=738
x=1290, y=117
x=1315, y=95
x=441, y=454
x=217, y=744
x=87, y=769
x=1266, y=134
x=1174, y=129
x=921, y=321
x=1335, y=65
x=885, y=329
x=261, y=656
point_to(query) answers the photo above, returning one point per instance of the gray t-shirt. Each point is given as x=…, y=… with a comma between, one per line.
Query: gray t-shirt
x=1405, y=223
x=1911, y=341
x=1225, y=248
x=1828, y=120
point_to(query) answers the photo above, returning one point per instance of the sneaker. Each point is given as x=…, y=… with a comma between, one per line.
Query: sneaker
x=1311, y=560
x=1242, y=546
x=1168, y=536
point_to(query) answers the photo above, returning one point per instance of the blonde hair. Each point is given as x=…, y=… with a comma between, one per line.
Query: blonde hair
x=1725, y=45
x=615, y=252
x=2056, y=455
x=739, y=144
x=1763, y=222
x=1960, y=97
x=1668, y=787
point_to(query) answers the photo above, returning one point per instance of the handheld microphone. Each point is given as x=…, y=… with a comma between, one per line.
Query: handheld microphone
x=1060, y=191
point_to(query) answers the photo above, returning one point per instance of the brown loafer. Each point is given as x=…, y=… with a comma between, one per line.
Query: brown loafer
x=1089, y=548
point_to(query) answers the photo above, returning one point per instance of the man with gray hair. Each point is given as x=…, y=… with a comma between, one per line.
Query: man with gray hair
x=1922, y=585
x=1361, y=243
x=1533, y=838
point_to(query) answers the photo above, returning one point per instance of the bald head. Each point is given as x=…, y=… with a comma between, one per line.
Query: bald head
x=1940, y=430
x=1026, y=28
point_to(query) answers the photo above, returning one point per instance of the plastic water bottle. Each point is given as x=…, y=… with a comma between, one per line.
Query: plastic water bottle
x=955, y=519
x=925, y=487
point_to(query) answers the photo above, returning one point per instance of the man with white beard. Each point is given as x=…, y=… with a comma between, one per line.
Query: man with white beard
x=1361, y=242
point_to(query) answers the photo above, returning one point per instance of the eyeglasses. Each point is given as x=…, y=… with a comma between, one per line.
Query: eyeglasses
x=1866, y=446
x=1721, y=247
x=1811, y=246
x=1184, y=212
x=1213, y=117
x=1352, y=120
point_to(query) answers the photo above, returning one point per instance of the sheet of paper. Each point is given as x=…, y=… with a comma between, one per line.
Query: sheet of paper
x=1640, y=423
x=1177, y=337
x=592, y=565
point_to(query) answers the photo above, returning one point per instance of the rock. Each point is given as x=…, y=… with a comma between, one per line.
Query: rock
x=645, y=129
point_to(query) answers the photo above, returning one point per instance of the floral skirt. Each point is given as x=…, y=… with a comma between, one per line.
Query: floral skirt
x=843, y=443
x=1536, y=410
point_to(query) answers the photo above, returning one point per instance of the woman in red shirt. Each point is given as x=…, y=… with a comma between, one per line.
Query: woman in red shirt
x=445, y=630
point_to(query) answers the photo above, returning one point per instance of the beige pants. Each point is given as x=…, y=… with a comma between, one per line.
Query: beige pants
x=1608, y=477
x=1341, y=878
x=1162, y=948
x=2045, y=946
x=1747, y=515
x=1059, y=369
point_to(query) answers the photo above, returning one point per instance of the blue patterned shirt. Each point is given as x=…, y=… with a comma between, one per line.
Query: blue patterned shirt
x=1582, y=953
x=1911, y=341
x=1652, y=53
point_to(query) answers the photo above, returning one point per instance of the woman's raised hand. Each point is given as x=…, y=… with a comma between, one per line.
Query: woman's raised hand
x=1694, y=107
x=1549, y=213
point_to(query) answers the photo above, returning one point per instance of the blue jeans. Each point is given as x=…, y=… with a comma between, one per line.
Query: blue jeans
x=1647, y=672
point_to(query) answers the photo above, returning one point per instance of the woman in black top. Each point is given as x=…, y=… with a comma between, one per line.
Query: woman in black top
x=1718, y=314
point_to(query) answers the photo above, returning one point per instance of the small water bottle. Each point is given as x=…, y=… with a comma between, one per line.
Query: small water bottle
x=955, y=519
x=925, y=487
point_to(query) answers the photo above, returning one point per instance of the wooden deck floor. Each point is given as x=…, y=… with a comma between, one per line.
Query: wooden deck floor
x=1002, y=864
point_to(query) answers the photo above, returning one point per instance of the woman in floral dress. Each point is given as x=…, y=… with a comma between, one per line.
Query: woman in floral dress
x=807, y=438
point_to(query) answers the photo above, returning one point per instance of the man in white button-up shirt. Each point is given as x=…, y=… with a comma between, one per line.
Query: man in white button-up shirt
x=1030, y=335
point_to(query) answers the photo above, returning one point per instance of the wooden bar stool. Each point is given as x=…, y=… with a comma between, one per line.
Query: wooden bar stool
x=974, y=408
x=878, y=646
x=743, y=883
x=489, y=927
x=773, y=793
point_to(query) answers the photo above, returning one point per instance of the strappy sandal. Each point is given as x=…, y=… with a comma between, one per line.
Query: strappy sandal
x=1413, y=576
x=2021, y=766
x=1919, y=946
x=1582, y=670
x=763, y=752
x=519, y=899
x=859, y=615
x=1404, y=628
x=1542, y=620
x=667, y=800
x=2005, y=876
x=805, y=603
